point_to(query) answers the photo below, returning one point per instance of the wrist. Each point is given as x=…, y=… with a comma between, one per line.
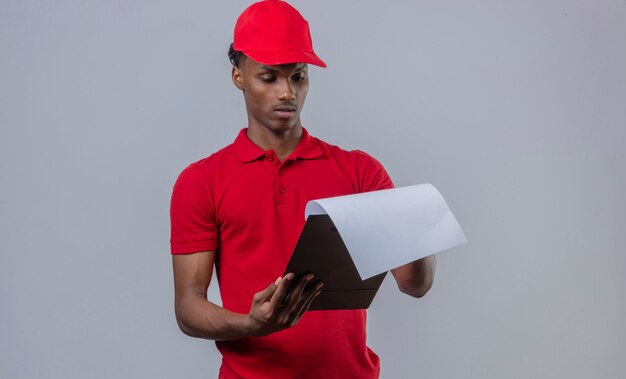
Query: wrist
x=249, y=326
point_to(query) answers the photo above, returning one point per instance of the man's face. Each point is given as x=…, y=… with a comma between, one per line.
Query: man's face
x=274, y=95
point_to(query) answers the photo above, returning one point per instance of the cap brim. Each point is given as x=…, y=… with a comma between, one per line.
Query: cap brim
x=285, y=57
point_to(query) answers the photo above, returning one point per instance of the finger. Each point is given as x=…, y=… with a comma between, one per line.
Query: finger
x=308, y=297
x=310, y=290
x=264, y=295
x=297, y=297
x=305, y=306
x=281, y=290
x=290, y=303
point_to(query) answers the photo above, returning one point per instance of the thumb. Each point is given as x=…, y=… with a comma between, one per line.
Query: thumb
x=267, y=293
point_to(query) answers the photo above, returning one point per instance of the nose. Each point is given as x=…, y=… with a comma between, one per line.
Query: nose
x=287, y=92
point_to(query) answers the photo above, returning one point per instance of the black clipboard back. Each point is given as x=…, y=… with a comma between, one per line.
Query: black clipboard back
x=321, y=251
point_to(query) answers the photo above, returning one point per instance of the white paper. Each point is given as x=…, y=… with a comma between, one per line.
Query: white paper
x=388, y=228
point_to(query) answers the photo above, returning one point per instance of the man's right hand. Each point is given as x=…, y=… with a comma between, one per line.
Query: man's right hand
x=273, y=309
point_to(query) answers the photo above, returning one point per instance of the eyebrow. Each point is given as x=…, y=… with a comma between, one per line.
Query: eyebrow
x=268, y=68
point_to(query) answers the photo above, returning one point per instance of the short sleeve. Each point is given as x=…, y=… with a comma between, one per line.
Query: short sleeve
x=192, y=214
x=372, y=174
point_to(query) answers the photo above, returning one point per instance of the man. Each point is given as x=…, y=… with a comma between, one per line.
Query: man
x=241, y=209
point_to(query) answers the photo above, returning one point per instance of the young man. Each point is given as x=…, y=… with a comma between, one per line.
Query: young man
x=241, y=209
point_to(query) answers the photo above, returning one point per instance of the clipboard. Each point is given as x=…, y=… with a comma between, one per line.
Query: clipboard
x=321, y=251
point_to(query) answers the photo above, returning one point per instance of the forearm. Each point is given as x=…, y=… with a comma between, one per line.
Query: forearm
x=416, y=278
x=198, y=317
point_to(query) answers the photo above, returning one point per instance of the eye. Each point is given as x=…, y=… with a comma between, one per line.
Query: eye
x=267, y=78
x=300, y=76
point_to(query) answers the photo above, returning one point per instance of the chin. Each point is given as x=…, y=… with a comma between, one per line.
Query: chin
x=283, y=127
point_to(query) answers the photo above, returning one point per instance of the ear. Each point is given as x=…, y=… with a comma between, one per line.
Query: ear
x=237, y=77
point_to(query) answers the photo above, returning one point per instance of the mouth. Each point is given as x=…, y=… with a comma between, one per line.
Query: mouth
x=285, y=111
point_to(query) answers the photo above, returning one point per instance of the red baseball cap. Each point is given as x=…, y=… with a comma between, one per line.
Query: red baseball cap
x=273, y=32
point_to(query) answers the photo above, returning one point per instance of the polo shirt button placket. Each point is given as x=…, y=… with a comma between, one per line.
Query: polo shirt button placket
x=281, y=186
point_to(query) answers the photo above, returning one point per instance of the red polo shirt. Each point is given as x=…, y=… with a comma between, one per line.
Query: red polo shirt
x=249, y=207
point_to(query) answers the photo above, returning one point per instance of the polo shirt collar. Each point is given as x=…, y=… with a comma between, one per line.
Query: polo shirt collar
x=308, y=148
x=247, y=151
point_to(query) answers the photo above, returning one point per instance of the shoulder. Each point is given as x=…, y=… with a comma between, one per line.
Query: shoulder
x=205, y=168
x=356, y=158
x=195, y=185
x=371, y=174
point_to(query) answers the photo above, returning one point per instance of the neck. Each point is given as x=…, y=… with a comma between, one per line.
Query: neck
x=283, y=142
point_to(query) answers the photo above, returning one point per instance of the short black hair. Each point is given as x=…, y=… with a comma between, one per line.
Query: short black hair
x=234, y=56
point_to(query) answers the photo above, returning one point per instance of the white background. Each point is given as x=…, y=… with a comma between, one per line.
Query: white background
x=515, y=111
